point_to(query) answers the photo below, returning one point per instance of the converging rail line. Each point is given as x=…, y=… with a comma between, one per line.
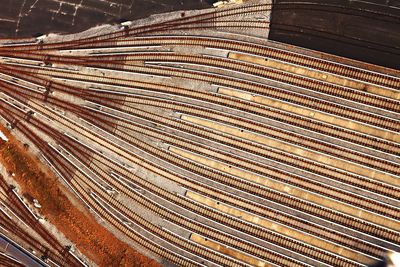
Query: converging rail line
x=208, y=145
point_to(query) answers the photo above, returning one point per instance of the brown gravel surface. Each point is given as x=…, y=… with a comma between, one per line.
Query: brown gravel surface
x=76, y=224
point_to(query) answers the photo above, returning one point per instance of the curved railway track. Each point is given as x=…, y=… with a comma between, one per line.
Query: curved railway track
x=52, y=250
x=180, y=23
x=325, y=256
x=191, y=206
x=120, y=62
x=255, y=108
x=66, y=170
x=203, y=112
x=324, y=169
x=267, y=51
x=247, y=173
x=82, y=113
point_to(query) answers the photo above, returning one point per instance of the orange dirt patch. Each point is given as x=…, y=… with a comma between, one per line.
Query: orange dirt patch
x=92, y=239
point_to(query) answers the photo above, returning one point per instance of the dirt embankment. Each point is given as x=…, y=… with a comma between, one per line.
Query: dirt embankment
x=92, y=239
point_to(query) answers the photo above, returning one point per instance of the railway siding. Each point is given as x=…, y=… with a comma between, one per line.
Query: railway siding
x=390, y=93
x=203, y=143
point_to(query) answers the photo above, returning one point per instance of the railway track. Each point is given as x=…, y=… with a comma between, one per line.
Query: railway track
x=52, y=250
x=368, y=136
x=178, y=106
x=321, y=191
x=121, y=61
x=157, y=208
x=361, y=171
x=179, y=23
x=195, y=209
x=67, y=172
x=7, y=261
x=245, y=173
x=255, y=49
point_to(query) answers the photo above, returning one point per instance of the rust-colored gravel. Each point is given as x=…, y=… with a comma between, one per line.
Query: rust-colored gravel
x=80, y=227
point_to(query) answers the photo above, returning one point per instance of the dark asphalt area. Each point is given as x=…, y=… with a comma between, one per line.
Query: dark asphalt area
x=26, y=18
x=331, y=26
x=365, y=30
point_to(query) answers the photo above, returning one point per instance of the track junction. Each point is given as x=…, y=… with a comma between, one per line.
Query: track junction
x=205, y=144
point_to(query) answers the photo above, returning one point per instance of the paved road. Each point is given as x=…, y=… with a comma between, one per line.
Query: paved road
x=30, y=17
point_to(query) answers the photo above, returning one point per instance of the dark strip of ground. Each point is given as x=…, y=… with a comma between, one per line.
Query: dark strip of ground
x=26, y=18
x=363, y=30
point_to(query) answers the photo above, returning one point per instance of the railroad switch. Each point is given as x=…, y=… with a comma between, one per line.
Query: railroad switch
x=40, y=44
x=11, y=187
x=46, y=95
x=47, y=91
x=29, y=115
x=68, y=248
x=48, y=86
x=46, y=60
x=14, y=123
x=45, y=255
x=126, y=30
